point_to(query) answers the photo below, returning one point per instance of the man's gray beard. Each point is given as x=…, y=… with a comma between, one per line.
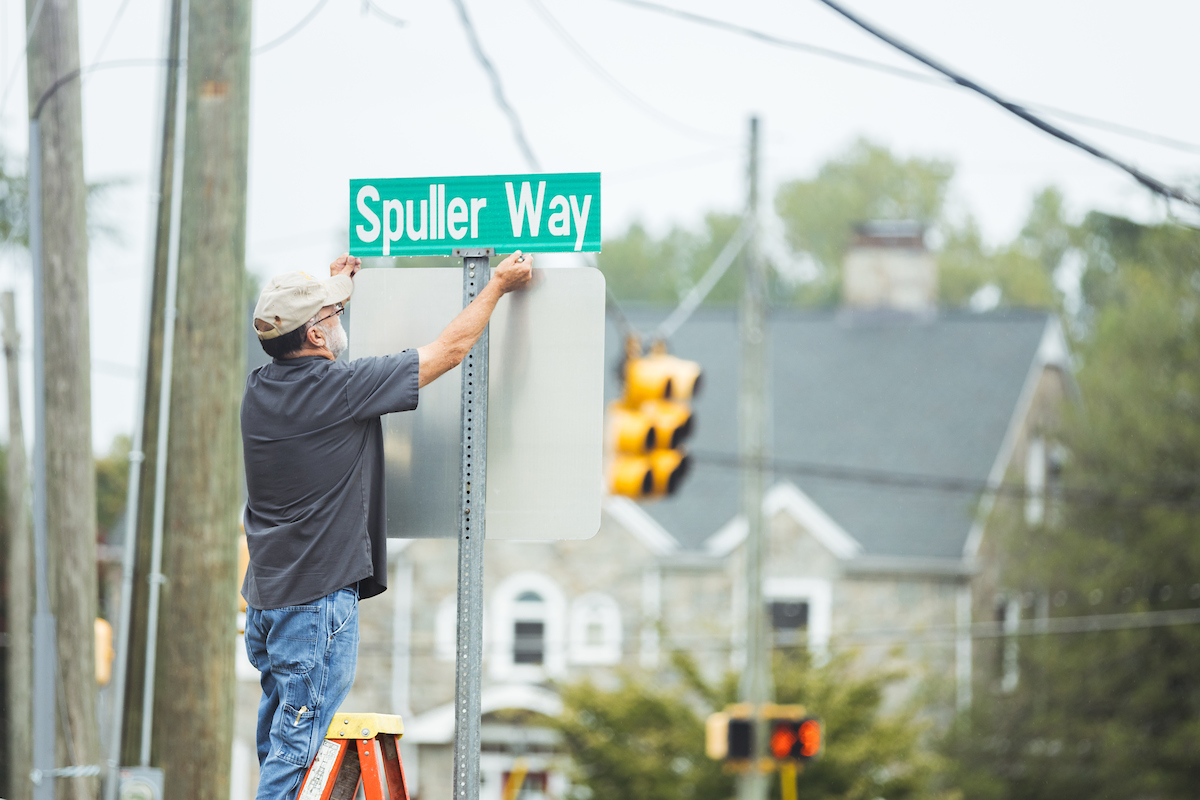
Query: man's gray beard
x=337, y=340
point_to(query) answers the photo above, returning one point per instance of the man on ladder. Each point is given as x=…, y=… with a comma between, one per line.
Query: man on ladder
x=315, y=511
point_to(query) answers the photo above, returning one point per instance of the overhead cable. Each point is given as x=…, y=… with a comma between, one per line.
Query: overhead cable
x=611, y=306
x=850, y=639
x=112, y=27
x=666, y=329
x=907, y=74
x=1153, y=184
x=34, y=19
x=598, y=69
x=299, y=26
x=497, y=87
x=375, y=8
x=1076, y=495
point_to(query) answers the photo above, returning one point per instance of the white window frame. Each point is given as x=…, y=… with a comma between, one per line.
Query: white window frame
x=506, y=610
x=445, y=629
x=1035, y=481
x=817, y=593
x=595, y=608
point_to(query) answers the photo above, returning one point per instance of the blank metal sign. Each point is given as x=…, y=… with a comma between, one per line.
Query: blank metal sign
x=545, y=403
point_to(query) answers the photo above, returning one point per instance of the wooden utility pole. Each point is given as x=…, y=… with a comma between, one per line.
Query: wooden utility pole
x=194, y=686
x=20, y=576
x=755, y=685
x=54, y=98
x=132, y=711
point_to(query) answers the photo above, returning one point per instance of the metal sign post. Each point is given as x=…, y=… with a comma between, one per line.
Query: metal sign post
x=472, y=494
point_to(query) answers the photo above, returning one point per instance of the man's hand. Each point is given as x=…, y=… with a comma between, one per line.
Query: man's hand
x=345, y=264
x=514, y=272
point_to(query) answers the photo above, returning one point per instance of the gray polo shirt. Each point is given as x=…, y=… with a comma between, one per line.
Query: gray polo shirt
x=313, y=445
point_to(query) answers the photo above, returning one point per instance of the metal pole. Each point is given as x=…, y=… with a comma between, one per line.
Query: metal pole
x=472, y=494
x=136, y=457
x=755, y=685
x=156, y=577
x=45, y=648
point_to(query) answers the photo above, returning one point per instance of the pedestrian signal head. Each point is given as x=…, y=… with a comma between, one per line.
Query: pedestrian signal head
x=794, y=739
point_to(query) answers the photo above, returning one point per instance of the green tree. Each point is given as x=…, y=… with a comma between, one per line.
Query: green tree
x=1022, y=271
x=642, y=269
x=644, y=736
x=1112, y=714
x=112, y=482
x=867, y=182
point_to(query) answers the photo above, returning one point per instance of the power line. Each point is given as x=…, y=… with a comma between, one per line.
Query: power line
x=621, y=89
x=497, y=87
x=34, y=19
x=1035, y=626
x=112, y=27
x=666, y=329
x=299, y=26
x=1153, y=184
x=1077, y=495
x=906, y=74
x=391, y=19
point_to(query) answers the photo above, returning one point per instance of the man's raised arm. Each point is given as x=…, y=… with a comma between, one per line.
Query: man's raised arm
x=451, y=347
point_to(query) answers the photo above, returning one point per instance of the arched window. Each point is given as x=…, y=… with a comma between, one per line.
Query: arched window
x=594, y=630
x=528, y=628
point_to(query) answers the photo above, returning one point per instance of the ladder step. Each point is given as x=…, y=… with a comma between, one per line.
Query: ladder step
x=359, y=748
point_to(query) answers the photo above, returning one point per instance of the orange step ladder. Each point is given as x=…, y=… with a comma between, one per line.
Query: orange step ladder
x=359, y=748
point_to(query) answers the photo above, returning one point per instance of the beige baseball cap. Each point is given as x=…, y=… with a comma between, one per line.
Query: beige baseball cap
x=292, y=299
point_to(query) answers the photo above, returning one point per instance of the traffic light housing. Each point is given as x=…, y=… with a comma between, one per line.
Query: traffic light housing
x=104, y=651
x=792, y=736
x=648, y=426
x=794, y=739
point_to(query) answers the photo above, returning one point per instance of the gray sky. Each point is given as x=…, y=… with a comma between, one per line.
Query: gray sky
x=353, y=95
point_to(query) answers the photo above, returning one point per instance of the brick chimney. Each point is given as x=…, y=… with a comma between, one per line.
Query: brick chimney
x=889, y=267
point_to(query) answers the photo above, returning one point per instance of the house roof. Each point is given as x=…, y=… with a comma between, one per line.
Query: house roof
x=930, y=396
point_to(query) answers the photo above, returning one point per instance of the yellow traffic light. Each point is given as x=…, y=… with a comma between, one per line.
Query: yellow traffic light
x=661, y=376
x=649, y=424
x=104, y=651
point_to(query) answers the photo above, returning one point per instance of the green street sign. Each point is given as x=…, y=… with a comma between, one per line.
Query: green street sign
x=549, y=213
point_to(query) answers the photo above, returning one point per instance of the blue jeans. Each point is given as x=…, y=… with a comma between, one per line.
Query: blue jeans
x=307, y=656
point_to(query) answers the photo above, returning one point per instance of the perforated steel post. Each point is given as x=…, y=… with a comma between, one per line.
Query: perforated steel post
x=472, y=493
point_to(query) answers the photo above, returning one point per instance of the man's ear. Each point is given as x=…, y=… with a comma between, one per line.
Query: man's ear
x=316, y=336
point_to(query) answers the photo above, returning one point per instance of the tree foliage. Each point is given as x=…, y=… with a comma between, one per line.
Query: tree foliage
x=1113, y=713
x=867, y=182
x=112, y=482
x=642, y=268
x=644, y=736
x=819, y=215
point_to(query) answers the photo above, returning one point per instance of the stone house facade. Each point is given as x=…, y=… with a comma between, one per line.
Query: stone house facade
x=887, y=425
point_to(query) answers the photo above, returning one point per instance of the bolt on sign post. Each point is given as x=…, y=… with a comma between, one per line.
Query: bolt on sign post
x=520, y=455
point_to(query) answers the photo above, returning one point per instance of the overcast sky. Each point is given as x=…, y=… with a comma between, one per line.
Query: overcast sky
x=656, y=104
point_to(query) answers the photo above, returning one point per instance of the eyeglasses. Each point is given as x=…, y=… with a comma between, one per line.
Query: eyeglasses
x=338, y=310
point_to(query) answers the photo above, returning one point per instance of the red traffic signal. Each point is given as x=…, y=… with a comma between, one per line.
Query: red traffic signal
x=791, y=736
x=794, y=739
